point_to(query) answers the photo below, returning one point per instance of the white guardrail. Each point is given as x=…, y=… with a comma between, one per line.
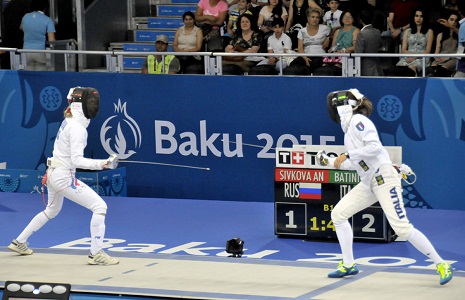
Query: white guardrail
x=212, y=60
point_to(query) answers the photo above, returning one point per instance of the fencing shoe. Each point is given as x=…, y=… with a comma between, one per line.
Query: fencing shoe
x=342, y=271
x=20, y=248
x=101, y=258
x=445, y=272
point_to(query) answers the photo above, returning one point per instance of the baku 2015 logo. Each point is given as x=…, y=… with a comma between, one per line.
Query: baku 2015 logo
x=118, y=130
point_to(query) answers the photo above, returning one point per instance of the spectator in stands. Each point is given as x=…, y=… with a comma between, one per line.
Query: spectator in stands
x=313, y=39
x=399, y=15
x=247, y=39
x=379, y=13
x=274, y=9
x=161, y=64
x=298, y=18
x=279, y=42
x=37, y=28
x=418, y=38
x=345, y=37
x=210, y=15
x=369, y=41
x=343, y=42
x=188, y=38
x=460, y=73
x=297, y=13
x=446, y=43
x=333, y=16
x=242, y=8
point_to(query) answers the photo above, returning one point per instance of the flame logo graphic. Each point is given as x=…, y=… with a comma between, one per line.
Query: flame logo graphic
x=116, y=127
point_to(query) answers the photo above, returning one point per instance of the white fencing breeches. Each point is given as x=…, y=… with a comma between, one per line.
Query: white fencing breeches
x=386, y=188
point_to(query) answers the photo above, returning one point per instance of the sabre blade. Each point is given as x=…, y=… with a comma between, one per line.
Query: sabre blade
x=250, y=145
x=163, y=164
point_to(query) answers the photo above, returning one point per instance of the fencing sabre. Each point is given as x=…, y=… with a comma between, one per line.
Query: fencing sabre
x=250, y=145
x=162, y=164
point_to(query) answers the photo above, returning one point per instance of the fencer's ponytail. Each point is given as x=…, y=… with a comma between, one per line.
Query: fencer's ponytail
x=67, y=113
x=365, y=108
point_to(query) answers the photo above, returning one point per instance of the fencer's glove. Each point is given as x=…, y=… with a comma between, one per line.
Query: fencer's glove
x=322, y=159
x=111, y=162
x=407, y=174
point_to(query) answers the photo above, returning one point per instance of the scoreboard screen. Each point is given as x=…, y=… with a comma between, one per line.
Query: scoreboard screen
x=304, y=199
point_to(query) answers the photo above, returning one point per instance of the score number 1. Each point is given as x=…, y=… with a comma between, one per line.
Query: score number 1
x=290, y=215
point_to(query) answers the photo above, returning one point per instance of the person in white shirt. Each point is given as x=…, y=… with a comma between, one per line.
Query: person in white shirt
x=68, y=154
x=333, y=16
x=313, y=39
x=279, y=42
x=380, y=181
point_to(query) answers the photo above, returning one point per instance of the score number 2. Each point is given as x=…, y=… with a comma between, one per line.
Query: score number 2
x=371, y=221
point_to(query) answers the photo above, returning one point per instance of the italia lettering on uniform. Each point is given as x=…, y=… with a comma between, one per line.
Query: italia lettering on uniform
x=397, y=204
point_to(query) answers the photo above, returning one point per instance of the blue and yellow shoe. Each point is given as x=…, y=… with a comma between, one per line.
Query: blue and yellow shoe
x=342, y=271
x=445, y=272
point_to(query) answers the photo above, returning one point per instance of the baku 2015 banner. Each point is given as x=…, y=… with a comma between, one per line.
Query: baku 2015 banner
x=214, y=137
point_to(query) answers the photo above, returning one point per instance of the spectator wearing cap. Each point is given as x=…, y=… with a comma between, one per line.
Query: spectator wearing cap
x=161, y=64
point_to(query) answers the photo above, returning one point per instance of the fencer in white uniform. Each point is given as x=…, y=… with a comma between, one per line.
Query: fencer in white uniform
x=380, y=181
x=68, y=154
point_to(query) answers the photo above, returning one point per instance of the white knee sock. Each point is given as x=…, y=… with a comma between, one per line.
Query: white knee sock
x=421, y=242
x=345, y=235
x=97, y=233
x=36, y=223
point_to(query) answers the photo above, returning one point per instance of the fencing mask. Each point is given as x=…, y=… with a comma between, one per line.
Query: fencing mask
x=90, y=99
x=339, y=98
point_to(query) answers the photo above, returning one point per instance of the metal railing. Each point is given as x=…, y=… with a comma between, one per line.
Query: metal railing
x=69, y=61
x=114, y=60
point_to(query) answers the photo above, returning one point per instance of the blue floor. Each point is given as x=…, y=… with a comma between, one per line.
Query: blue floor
x=202, y=227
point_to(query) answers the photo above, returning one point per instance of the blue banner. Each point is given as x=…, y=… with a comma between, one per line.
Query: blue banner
x=221, y=131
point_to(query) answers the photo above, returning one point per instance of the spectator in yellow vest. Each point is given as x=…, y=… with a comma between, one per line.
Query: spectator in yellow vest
x=161, y=64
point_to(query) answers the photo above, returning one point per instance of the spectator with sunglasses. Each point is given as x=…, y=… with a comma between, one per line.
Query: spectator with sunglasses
x=333, y=15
